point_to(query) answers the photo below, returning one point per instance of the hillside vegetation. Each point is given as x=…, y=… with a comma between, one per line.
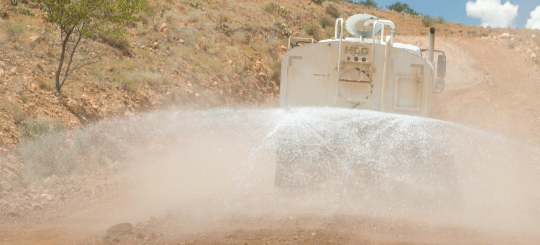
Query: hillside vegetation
x=194, y=54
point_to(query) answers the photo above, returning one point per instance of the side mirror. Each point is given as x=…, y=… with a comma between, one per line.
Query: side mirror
x=441, y=67
x=439, y=84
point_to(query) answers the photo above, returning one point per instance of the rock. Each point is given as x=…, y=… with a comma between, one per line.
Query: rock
x=120, y=229
x=36, y=206
x=533, y=56
x=165, y=30
x=51, y=180
x=5, y=186
x=2, y=65
x=129, y=114
x=33, y=38
x=163, y=26
x=73, y=106
x=155, y=45
x=533, y=36
x=47, y=197
x=181, y=40
x=2, y=72
x=13, y=70
x=505, y=35
x=14, y=213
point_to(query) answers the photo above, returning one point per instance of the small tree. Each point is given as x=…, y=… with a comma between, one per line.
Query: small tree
x=402, y=7
x=369, y=3
x=76, y=19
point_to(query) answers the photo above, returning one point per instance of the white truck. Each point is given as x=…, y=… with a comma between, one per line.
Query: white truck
x=360, y=72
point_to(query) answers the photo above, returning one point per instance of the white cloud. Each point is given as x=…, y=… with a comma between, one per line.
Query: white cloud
x=534, y=21
x=492, y=12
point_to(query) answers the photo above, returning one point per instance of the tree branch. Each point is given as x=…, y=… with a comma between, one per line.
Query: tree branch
x=66, y=74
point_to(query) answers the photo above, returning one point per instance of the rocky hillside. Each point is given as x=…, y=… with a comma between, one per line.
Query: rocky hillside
x=197, y=53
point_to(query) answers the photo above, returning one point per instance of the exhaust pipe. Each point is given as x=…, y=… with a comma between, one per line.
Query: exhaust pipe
x=431, y=44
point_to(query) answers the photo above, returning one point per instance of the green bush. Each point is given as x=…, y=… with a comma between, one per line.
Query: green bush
x=332, y=11
x=313, y=29
x=369, y=3
x=17, y=113
x=131, y=81
x=319, y=2
x=13, y=31
x=277, y=9
x=402, y=7
x=429, y=21
x=198, y=6
x=119, y=42
x=62, y=153
x=34, y=127
x=22, y=11
x=326, y=21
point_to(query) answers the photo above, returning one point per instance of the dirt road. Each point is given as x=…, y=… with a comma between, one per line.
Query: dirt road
x=489, y=87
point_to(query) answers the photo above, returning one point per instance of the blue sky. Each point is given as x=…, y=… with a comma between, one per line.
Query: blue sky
x=455, y=10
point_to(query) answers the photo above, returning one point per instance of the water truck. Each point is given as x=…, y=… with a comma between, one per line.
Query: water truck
x=361, y=72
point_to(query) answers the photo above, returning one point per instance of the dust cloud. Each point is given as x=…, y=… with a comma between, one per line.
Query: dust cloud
x=212, y=166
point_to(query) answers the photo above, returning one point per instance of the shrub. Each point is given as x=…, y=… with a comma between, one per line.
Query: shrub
x=277, y=9
x=198, y=6
x=46, y=156
x=64, y=153
x=429, y=21
x=33, y=127
x=329, y=32
x=369, y=3
x=17, y=113
x=13, y=31
x=319, y=2
x=332, y=11
x=24, y=98
x=132, y=81
x=402, y=7
x=326, y=21
x=239, y=37
x=313, y=29
x=119, y=42
x=21, y=11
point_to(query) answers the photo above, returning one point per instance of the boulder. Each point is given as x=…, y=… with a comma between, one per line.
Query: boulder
x=120, y=229
x=163, y=26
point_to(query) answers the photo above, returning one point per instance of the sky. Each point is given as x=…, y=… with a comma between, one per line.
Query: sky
x=495, y=13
